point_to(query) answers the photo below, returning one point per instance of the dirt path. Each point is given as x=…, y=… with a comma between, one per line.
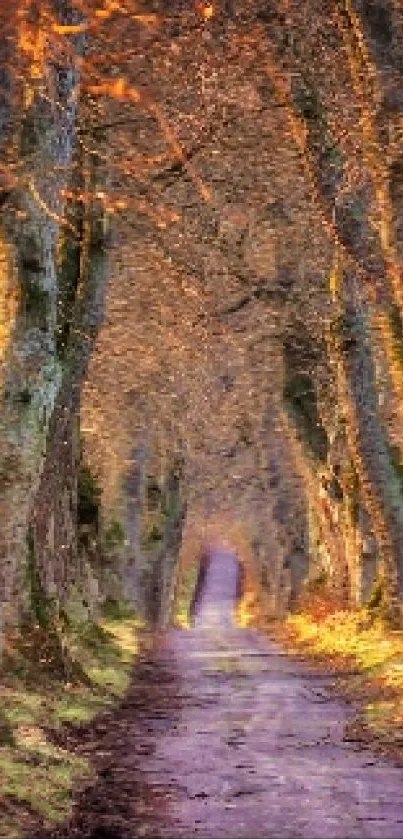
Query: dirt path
x=223, y=735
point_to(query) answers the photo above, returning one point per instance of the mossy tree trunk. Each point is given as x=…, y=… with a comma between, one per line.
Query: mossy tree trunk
x=45, y=136
x=366, y=437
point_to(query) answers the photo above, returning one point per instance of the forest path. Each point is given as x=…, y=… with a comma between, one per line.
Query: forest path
x=224, y=736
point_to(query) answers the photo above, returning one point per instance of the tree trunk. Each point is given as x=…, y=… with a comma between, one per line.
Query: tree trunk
x=366, y=438
x=45, y=137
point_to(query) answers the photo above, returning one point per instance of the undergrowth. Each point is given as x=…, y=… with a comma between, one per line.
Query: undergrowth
x=49, y=678
x=360, y=641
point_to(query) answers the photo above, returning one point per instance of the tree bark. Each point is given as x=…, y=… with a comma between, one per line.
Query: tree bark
x=366, y=437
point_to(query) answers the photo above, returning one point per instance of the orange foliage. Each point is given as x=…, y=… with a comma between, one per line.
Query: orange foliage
x=206, y=10
x=195, y=324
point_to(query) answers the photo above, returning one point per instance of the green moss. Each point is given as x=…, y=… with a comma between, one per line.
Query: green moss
x=35, y=302
x=41, y=606
x=377, y=595
x=300, y=396
x=308, y=105
x=172, y=506
x=6, y=732
x=154, y=536
x=43, y=767
x=21, y=707
x=185, y=594
x=114, y=535
x=76, y=707
x=115, y=610
x=89, y=495
x=29, y=760
x=395, y=456
x=353, y=492
x=397, y=330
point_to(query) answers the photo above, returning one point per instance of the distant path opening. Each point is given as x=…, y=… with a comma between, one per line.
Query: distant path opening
x=219, y=587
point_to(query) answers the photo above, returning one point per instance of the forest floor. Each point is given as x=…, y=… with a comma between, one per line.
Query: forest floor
x=366, y=657
x=52, y=679
x=223, y=734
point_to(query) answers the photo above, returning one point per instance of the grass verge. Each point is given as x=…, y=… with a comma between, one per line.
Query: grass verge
x=367, y=657
x=50, y=678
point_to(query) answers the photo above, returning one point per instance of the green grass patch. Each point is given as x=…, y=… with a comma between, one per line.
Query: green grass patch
x=35, y=765
x=117, y=610
x=66, y=675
